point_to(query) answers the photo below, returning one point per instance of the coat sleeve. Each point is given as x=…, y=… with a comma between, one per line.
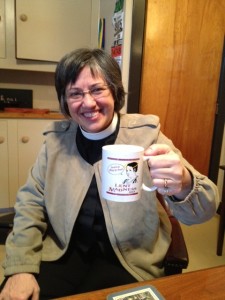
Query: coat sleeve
x=201, y=203
x=24, y=243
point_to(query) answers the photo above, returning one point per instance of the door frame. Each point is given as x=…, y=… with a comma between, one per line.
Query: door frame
x=136, y=53
x=218, y=125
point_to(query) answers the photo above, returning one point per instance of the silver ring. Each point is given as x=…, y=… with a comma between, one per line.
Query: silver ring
x=165, y=183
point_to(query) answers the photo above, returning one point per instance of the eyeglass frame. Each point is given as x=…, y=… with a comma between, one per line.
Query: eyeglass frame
x=90, y=92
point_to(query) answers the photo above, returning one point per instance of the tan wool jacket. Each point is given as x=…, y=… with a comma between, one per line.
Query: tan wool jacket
x=48, y=204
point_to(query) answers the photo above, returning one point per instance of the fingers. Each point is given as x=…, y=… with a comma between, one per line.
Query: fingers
x=157, y=149
x=21, y=286
x=161, y=156
x=171, y=188
x=166, y=169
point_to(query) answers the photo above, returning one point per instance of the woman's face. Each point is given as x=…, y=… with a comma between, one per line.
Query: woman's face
x=93, y=115
x=130, y=172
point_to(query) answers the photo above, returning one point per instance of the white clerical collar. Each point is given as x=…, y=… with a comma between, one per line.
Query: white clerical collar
x=102, y=134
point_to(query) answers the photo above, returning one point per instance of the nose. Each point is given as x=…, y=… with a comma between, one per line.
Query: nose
x=88, y=99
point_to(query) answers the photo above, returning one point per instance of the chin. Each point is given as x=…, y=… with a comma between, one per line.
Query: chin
x=94, y=128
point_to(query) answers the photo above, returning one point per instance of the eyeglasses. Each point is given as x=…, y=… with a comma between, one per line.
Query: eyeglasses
x=97, y=92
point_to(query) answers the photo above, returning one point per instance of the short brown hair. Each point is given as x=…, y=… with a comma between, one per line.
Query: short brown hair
x=100, y=63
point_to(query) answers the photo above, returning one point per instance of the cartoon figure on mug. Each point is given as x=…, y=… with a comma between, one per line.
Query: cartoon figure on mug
x=131, y=171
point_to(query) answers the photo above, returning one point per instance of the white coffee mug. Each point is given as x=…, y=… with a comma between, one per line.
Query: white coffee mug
x=122, y=168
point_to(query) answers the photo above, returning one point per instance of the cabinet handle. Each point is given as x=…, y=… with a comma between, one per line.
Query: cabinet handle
x=23, y=18
x=2, y=139
x=25, y=139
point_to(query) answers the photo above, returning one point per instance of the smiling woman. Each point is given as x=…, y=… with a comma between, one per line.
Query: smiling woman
x=62, y=217
x=101, y=70
x=92, y=113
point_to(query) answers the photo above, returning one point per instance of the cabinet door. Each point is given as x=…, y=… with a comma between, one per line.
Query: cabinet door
x=30, y=139
x=180, y=73
x=4, y=173
x=47, y=29
x=2, y=29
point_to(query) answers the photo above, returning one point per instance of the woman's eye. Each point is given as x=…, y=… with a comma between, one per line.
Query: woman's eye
x=75, y=95
x=97, y=90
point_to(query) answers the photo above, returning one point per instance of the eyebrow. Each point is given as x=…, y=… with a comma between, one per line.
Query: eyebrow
x=90, y=86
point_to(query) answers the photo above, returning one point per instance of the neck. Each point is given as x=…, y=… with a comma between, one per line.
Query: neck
x=104, y=133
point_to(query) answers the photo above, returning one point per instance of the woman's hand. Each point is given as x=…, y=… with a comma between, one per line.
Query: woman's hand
x=22, y=286
x=167, y=171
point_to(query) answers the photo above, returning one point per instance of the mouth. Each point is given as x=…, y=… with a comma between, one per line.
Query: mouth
x=90, y=115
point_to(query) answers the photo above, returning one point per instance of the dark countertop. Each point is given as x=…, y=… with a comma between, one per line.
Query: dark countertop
x=19, y=115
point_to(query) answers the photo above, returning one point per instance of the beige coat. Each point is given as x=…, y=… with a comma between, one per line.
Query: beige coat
x=48, y=204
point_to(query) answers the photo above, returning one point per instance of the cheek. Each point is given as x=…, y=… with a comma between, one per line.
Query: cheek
x=109, y=103
x=73, y=108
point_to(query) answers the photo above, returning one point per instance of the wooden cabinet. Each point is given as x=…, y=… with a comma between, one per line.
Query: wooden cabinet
x=4, y=173
x=29, y=141
x=20, y=142
x=39, y=32
x=47, y=29
x=2, y=28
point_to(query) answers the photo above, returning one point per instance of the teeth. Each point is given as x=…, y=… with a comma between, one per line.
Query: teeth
x=90, y=115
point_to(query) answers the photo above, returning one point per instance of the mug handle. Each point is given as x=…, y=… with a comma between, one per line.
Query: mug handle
x=148, y=189
x=145, y=187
